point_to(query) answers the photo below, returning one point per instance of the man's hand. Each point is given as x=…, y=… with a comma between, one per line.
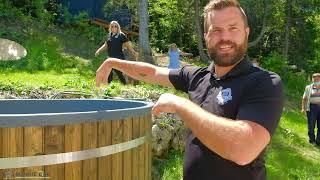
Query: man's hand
x=303, y=111
x=167, y=103
x=102, y=73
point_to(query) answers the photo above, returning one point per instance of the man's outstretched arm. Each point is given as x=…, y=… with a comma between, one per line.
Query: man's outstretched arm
x=137, y=70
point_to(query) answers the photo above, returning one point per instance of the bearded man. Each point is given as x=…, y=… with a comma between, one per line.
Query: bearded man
x=233, y=108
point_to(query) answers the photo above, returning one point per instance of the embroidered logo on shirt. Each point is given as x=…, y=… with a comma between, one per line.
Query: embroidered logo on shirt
x=224, y=96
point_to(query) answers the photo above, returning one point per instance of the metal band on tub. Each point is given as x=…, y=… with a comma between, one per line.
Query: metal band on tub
x=43, y=160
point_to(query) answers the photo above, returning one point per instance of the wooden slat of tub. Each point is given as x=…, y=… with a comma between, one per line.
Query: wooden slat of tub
x=12, y=139
x=148, y=159
x=90, y=141
x=135, y=151
x=150, y=144
x=127, y=155
x=33, y=146
x=1, y=144
x=117, y=137
x=73, y=142
x=54, y=144
x=104, y=139
x=1, y=153
x=141, y=150
x=146, y=156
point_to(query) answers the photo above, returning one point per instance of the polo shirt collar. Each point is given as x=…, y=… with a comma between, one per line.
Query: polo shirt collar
x=242, y=67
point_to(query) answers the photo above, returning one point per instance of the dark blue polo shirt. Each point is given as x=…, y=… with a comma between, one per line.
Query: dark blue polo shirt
x=246, y=92
x=115, y=45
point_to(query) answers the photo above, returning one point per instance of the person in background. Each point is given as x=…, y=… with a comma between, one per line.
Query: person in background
x=255, y=62
x=311, y=105
x=174, y=56
x=114, y=45
x=233, y=107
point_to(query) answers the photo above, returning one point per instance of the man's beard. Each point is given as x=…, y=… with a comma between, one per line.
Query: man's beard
x=225, y=60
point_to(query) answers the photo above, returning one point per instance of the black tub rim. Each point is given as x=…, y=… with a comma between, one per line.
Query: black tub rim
x=56, y=119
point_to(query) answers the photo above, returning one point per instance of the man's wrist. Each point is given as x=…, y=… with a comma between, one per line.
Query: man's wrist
x=179, y=104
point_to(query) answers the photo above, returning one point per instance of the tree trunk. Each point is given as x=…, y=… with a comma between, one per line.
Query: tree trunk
x=144, y=45
x=264, y=26
x=287, y=29
x=203, y=56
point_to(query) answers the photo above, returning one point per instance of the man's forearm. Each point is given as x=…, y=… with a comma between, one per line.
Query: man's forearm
x=137, y=70
x=233, y=140
x=141, y=71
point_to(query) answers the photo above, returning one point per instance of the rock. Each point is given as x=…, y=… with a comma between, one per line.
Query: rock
x=168, y=132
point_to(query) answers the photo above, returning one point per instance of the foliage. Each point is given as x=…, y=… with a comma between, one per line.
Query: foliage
x=294, y=79
x=43, y=54
x=276, y=63
x=302, y=31
x=113, y=89
x=26, y=10
x=172, y=22
x=113, y=5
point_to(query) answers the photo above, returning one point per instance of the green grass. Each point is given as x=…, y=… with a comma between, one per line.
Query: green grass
x=170, y=168
x=24, y=81
x=290, y=156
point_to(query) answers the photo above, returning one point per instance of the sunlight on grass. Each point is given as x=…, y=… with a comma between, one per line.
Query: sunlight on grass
x=170, y=168
x=45, y=81
x=290, y=156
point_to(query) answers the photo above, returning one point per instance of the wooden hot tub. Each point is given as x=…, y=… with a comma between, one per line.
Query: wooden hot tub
x=75, y=139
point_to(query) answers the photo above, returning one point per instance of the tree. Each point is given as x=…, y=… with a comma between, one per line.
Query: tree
x=172, y=22
x=144, y=44
x=264, y=26
x=203, y=55
x=287, y=29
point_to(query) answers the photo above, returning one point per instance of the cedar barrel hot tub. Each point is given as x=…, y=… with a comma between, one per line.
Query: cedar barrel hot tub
x=75, y=139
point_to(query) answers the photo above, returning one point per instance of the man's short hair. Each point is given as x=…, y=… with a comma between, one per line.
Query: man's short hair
x=219, y=5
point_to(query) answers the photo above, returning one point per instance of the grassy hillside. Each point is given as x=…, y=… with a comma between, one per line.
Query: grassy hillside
x=290, y=156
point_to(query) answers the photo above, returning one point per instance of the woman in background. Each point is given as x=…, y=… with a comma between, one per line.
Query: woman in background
x=174, y=56
x=114, y=45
